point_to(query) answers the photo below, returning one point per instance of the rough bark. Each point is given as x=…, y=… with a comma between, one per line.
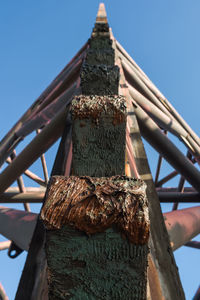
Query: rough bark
x=97, y=236
x=99, y=125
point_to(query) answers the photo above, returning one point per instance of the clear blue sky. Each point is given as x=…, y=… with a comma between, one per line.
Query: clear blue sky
x=39, y=37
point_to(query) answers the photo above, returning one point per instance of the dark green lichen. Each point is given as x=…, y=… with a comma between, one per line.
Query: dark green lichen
x=103, y=266
x=99, y=79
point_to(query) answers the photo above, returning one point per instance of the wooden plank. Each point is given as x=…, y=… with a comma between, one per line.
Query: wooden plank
x=97, y=235
x=99, y=135
x=90, y=219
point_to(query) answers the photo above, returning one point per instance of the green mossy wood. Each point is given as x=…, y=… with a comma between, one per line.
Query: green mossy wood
x=89, y=256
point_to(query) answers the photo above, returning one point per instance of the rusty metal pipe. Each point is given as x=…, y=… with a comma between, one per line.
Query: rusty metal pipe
x=173, y=189
x=182, y=225
x=157, y=115
x=34, y=150
x=51, y=86
x=44, y=165
x=20, y=184
x=125, y=53
x=158, y=168
x=182, y=122
x=180, y=189
x=28, y=197
x=159, y=95
x=15, y=190
x=166, y=178
x=144, y=78
x=31, y=175
x=175, y=197
x=152, y=133
x=44, y=114
x=40, y=103
x=17, y=225
x=48, y=113
x=141, y=87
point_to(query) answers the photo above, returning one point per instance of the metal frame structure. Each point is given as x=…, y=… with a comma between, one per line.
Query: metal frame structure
x=150, y=115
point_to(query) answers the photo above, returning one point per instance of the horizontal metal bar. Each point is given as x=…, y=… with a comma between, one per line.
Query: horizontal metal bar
x=174, y=189
x=38, y=197
x=174, y=197
x=29, y=189
x=27, y=197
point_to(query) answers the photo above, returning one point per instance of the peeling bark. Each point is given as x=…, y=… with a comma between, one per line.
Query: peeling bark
x=94, y=204
x=97, y=238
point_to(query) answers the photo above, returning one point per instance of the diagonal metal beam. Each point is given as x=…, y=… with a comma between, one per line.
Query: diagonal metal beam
x=41, y=143
x=182, y=225
x=162, y=255
x=17, y=225
x=154, y=136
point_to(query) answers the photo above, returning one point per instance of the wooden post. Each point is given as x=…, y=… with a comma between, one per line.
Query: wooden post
x=96, y=221
x=97, y=234
x=92, y=233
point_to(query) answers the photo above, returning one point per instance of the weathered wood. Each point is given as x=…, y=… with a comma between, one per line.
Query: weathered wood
x=97, y=227
x=99, y=124
x=102, y=253
x=103, y=234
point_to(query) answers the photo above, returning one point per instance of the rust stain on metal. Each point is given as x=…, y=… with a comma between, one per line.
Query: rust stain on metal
x=94, y=106
x=94, y=204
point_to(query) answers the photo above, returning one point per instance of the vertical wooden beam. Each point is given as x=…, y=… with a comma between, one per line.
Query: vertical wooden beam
x=97, y=234
x=96, y=221
x=99, y=135
x=96, y=228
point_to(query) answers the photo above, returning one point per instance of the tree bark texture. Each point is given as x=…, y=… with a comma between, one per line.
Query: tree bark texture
x=97, y=236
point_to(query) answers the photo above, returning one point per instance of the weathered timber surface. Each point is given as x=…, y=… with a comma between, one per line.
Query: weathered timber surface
x=93, y=204
x=103, y=266
x=104, y=56
x=98, y=130
x=99, y=75
x=99, y=79
x=97, y=237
